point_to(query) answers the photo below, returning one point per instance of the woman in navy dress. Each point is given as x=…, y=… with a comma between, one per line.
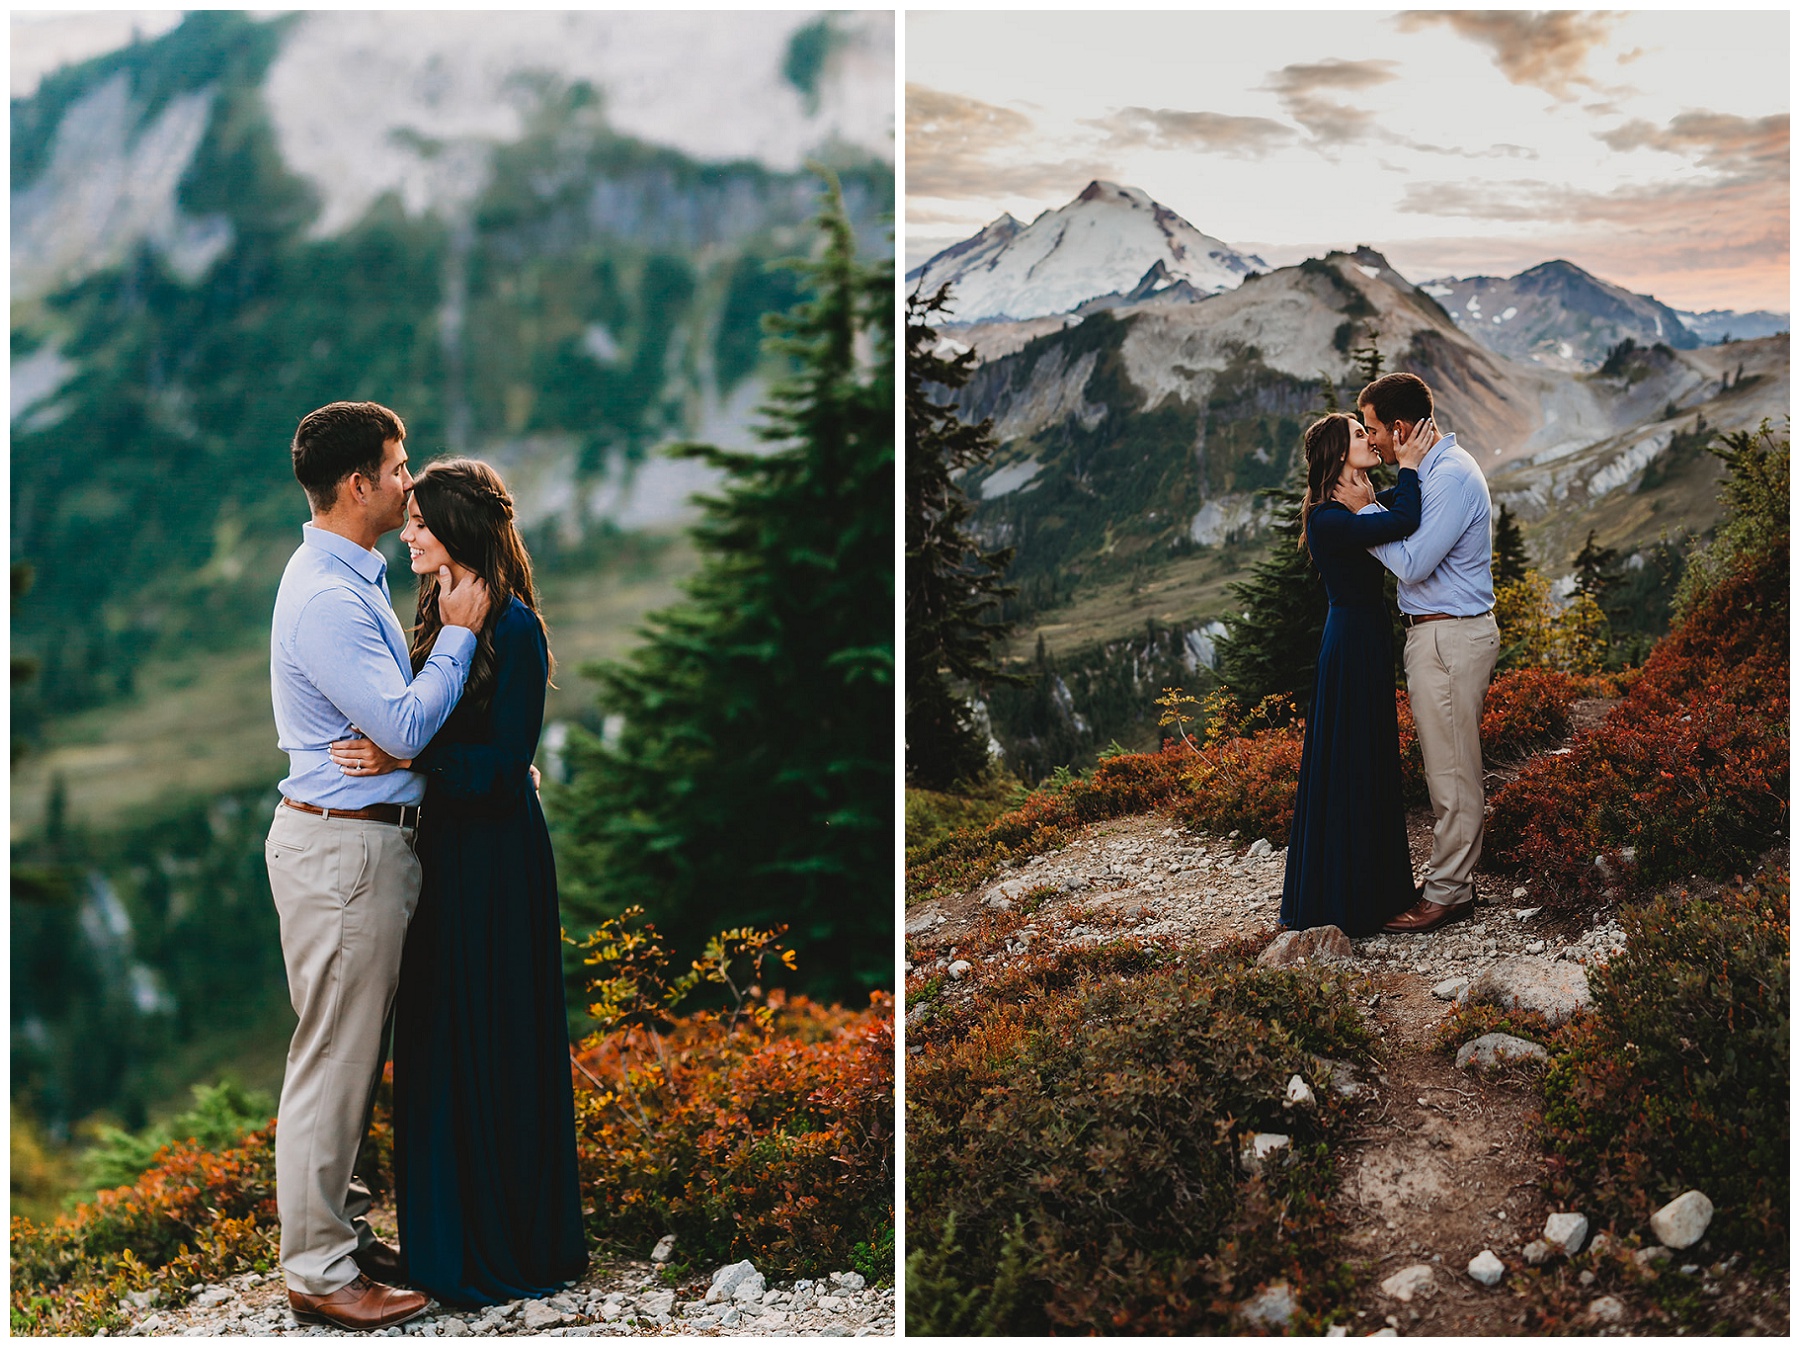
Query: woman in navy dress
x=484, y=1129
x=1348, y=865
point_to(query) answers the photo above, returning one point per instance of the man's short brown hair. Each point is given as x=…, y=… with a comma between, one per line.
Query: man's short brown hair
x=338, y=439
x=1397, y=397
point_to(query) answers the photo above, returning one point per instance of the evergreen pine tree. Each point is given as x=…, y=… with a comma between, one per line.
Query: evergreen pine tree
x=1596, y=570
x=953, y=588
x=1510, y=561
x=752, y=781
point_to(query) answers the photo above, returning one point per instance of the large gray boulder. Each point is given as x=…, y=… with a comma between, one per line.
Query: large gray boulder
x=1296, y=949
x=1553, y=988
x=727, y=1280
x=1681, y=1224
x=1494, y=1049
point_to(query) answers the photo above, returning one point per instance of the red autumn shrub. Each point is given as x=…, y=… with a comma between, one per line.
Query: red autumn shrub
x=1246, y=783
x=193, y=1215
x=769, y=1142
x=1687, y=775
x=1679, y=1077
x=1129, y=783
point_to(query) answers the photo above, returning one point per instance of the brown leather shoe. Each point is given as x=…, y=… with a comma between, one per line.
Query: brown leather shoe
x=1426, y=915
x=360, y=1306
x=380, y=1262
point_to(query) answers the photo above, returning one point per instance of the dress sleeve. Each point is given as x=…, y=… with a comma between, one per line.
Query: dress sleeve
x=1341, y=529
x=498, y=770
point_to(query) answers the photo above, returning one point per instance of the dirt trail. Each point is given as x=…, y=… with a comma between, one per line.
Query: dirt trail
x=1443, y=1163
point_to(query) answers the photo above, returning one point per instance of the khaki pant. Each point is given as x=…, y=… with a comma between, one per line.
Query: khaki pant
x=1448, y=664
x=344, y=890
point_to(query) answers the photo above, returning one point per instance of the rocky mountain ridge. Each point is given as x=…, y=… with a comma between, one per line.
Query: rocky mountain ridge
x=1557, y=315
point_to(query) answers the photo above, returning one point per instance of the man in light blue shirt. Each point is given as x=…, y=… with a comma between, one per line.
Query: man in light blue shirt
x=342, y=869
x=1446, y=592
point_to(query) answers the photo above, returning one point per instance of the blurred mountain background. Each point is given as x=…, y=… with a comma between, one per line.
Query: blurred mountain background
x=1147, y=383
x=544, y=239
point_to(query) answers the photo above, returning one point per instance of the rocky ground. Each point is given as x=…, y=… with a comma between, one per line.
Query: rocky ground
x=1444, y=1164
x=615, y=1299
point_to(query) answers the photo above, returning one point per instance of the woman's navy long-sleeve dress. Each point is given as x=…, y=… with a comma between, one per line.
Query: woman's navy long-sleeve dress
x=1347, y=863
x=484, y=1125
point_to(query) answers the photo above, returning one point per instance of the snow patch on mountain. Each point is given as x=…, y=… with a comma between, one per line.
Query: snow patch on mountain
x=110, y=183
x=1110, y=240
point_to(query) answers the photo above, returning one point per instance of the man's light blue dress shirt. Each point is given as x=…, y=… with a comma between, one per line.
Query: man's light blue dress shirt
x=338, y=659
x=1446, y=565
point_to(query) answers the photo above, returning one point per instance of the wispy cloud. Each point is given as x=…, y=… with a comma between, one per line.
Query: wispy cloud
x=1172, y=129
x=1307, y=92
x=1754, y=147
x=959, y=147
x=1546, y=49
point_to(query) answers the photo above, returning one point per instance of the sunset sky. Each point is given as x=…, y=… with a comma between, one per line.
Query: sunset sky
x=1650, y=148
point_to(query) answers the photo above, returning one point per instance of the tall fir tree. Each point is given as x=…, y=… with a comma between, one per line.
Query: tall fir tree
x=1510, y=561
x=752, y=780
x=953, y=587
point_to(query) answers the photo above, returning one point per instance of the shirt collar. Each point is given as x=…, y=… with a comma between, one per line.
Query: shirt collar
x=369, y=564
x=1436, y=452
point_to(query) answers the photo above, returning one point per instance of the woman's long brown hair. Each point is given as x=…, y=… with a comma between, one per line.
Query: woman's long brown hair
x=1327, y=446
x=468, y=509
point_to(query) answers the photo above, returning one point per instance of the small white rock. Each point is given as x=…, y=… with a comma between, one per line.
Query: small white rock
x=1537, y=1253
x=664, y=1250
x=1606, y=1310
x=1450, y=988
x=1408, y=1282
x=1683, y=1222
x=1263, y=1147
x=1272, y=1307
x=1519, y=892
x=1526, y=913
x=960, y=969
x=1564, y=1231
x=1299, y=1093
x=1485, y=1268
x=1654, y=1254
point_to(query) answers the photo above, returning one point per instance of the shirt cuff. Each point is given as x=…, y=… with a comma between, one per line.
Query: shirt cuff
x=456, y=642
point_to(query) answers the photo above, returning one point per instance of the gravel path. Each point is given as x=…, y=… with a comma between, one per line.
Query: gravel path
x=1167, y=881
x=627, y=1299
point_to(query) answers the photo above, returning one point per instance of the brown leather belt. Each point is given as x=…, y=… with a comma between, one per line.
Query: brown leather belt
x=406, y=815
x=1413, y=619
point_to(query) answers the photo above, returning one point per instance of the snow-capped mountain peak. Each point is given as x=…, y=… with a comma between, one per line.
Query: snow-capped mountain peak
x=1109, y=240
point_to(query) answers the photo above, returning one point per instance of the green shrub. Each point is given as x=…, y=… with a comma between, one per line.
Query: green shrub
x=934, y=814
x=1679, y=1078
x=221, y=1117
x=1072, y=1155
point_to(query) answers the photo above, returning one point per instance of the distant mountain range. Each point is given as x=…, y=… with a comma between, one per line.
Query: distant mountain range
x=1109, y=241
x=1557, y=315
x=1114, y=246
x=1138, y=425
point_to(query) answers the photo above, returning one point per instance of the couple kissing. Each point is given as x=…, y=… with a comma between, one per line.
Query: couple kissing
x=410, y=865
x=1348, y=864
